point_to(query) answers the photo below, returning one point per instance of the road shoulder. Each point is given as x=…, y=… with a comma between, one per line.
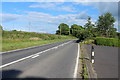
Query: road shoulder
x=90, y=72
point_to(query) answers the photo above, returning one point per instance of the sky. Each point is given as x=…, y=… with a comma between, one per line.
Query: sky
x=44, y=17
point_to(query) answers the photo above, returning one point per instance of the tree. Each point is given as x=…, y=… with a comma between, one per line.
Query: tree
x=75, y=29
x=58, y=32
x=14, y=30
x=82, y=34
x=89, y=24
x=105, y=23
x=89, y=27
x=112, y=32
x=63, y=29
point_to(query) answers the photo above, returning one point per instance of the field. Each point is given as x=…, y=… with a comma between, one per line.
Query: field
x=12, y=40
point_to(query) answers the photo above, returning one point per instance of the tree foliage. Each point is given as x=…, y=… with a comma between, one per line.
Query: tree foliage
x=103, y=27
x=74, y=30
x=105, y=24
x=63, y=29
x=89, y=27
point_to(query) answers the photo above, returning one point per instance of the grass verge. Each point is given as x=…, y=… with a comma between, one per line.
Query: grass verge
x=12, y=45
x=84, y=72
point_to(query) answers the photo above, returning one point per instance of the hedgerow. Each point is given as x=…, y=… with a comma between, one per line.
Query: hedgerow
x=107, y=41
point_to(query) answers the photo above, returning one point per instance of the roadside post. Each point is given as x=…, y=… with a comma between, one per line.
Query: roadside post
x=92, y=55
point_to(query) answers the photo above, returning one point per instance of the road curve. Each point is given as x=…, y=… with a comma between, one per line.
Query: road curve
x=55, y=62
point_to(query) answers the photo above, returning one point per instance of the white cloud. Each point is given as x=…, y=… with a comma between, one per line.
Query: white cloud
x=43, y=21
x=47, y=18
x=56, y=6
x=103, y=7
x=43, y=5
x=9, y=17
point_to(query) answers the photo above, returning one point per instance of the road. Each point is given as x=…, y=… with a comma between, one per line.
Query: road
x=47, y=61
x=106, y=61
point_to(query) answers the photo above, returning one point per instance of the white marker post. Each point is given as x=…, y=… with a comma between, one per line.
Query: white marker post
x=92, y=55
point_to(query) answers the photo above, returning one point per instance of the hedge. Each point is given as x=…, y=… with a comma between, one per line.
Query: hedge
x=107, y=41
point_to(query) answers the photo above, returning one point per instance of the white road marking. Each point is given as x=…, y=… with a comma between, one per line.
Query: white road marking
x=31, y=56
x=77, y=61
x=35, y=56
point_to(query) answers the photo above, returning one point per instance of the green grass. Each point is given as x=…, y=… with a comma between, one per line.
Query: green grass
x=83, y=61
x=17, y=39
x=88, y=41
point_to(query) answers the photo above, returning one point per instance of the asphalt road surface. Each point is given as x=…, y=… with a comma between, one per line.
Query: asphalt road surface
x=106, y=61
x=47, y=61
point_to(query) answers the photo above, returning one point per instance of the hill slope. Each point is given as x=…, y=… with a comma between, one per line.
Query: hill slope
x=12, y=40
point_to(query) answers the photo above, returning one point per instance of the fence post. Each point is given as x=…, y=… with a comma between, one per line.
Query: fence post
x=92, y=55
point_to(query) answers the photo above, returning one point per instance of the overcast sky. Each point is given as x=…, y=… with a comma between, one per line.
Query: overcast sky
x=46, y=16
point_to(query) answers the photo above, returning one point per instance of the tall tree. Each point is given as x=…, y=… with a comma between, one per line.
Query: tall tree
x=105, y=23
x=89, y=24
x=63, y=29
x=89, y=27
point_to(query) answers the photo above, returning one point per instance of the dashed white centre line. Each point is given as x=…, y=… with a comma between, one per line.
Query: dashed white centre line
x=35, y=56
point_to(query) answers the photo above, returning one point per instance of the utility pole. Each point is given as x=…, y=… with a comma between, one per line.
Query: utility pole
x=13, y=27
x=29, y=26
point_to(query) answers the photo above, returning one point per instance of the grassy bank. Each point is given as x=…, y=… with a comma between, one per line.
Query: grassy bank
x=12, y=40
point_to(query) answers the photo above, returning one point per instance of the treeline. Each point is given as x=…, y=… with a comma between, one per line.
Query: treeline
x=104, y=27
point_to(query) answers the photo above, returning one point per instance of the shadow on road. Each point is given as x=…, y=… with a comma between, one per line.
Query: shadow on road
x=13, y=75
x=77, y=41
x=10, y=73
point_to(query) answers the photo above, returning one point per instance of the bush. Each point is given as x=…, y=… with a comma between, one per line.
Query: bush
x=107, y=41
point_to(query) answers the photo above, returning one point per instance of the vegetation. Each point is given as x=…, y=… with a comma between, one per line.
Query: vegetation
x=118, y=34
x=84, y=70
x=107, y=41
x=104, y=27
x=63, y=29
x=18, y=39
x=102, y=32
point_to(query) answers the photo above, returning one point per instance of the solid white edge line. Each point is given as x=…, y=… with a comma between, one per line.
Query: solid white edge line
x=77, y=61
x=31, y=56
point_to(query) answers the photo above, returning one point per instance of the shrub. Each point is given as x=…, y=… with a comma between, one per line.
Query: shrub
x=107, y=41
